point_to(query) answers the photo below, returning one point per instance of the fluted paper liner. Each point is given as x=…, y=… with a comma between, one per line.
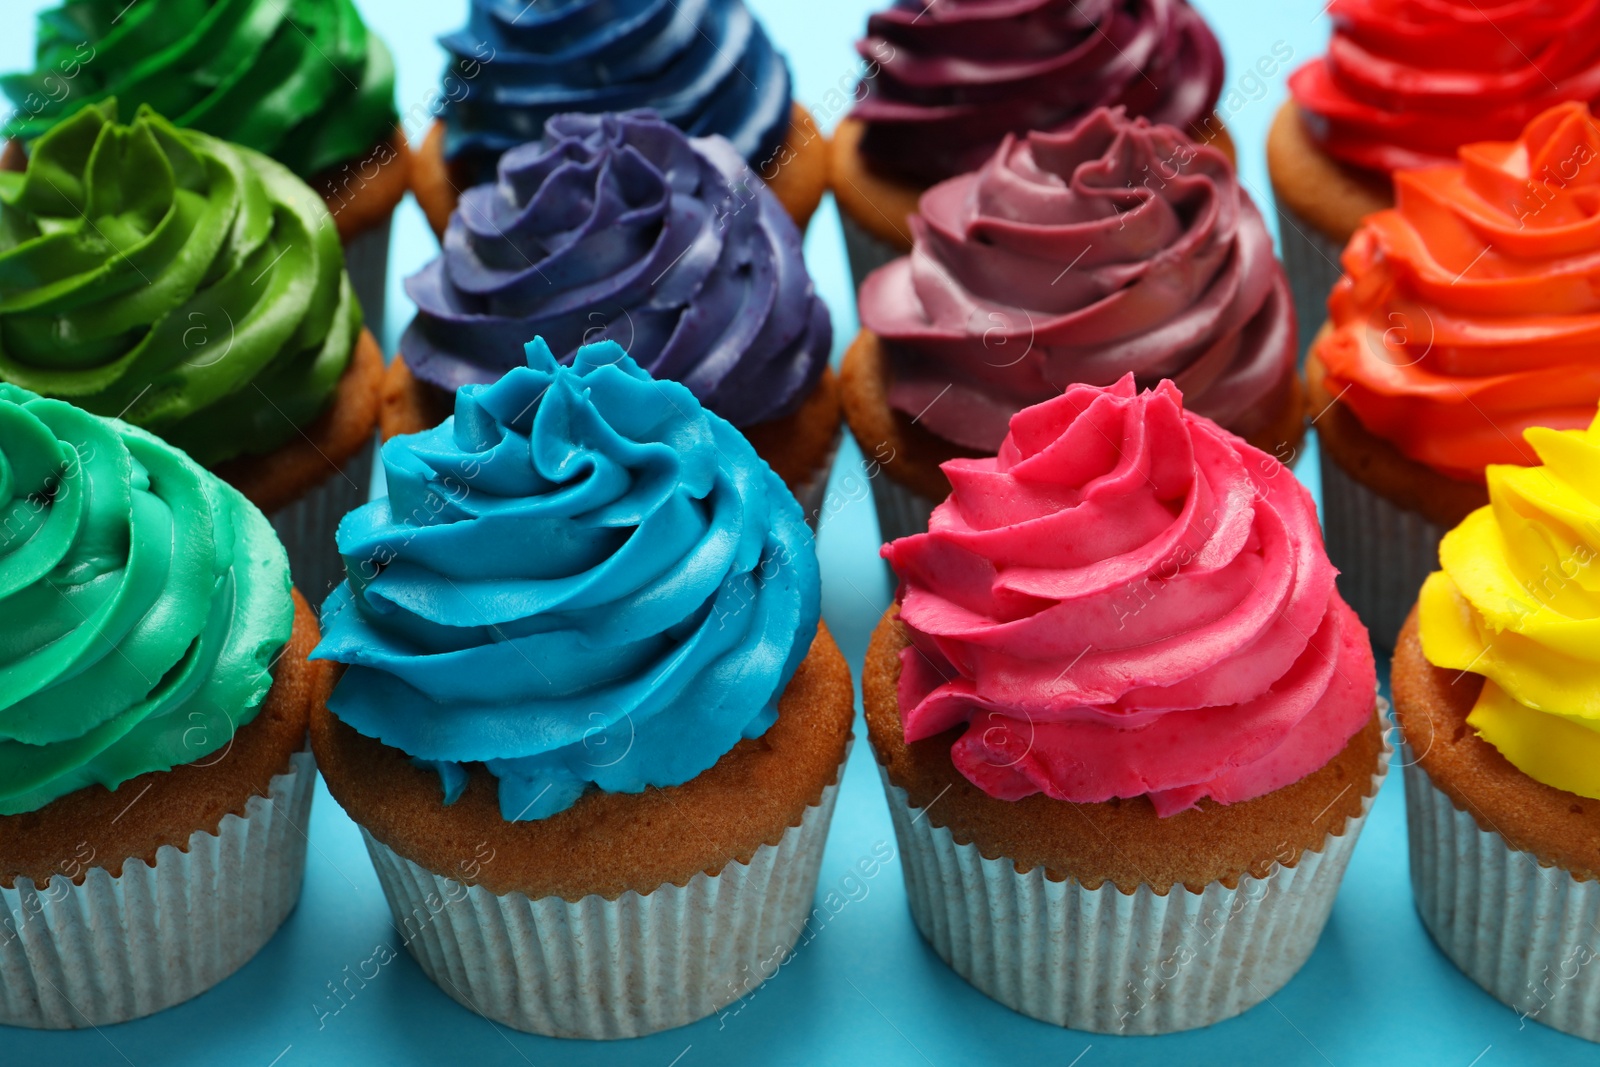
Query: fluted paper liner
x=307, y=526
x=1311, y=262
x=1108, y=961
x=865, y=252
x=901, y=512
x=610, y=968
x=812, y=493
x=1528, y=934
x=117, y=948
x=1383, y=552
x=366, y=260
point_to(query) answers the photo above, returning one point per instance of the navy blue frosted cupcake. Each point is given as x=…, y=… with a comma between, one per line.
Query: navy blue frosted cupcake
x=707, y=66
x=582, y=634
x=620, y=227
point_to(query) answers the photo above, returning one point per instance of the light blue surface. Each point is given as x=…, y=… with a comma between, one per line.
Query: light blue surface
x=866, y=989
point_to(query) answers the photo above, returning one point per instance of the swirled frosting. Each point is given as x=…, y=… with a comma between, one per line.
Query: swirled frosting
x=142, y=601
x=620, y=227
x=299, y=80
x=706, y=66
x=951, y=77
x=582, y=580
x=1116, y=247
x=1407, y=82
x=190, y=286
x=1128, y=601
x=1518, y=602
x=1471, y=310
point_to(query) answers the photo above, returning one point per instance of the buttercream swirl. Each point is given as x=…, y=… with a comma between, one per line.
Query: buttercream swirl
x=1407, y=82
x=707, y=66
x=954, y=76
x=1471, y=310
x=620, y=227
x=141, y=604
x=1070, y=257
x=1128, y=601
x=1518, y=602
x=302, y=81
x=670, y=592
x=190, y=286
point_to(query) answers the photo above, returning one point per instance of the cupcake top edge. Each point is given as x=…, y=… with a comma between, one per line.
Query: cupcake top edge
x=302, y=81
x=946, y=80
x=191, y=286
x=144, y=602
x=1516, y=600
x=582, y=580
x=1468, y=312
x=621, y=227
x=1117, y=245
x=1128, y=601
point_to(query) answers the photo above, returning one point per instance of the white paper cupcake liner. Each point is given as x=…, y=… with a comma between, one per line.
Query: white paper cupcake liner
x=610, y=968
x=1528, y=934
x=865, y=252
x=1311, y=261
x=366, y=259
x=117, y=948
x=307, y=526
x=1383, y=552
x=812, y=492
x=901, y=512
x=1110, y=962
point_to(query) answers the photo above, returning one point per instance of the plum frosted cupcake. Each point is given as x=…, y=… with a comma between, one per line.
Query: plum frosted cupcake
x=1119, y=246
x=945, y=80
x=154, y=782
x=1495, y=682
x=708, y=67
x=1403, y=85
x=301, y=81
x=1126, y=725
x=197, y=289
x=1468, y=313
x=642, y=722
x=620, y=227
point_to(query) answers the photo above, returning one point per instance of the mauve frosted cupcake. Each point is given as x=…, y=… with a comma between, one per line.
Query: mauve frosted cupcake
x=708, y=67
x=1116, y=247
x=589, y=724
x=1126, y=725
x=1497, y=690
x=946, y=80
x=620, y=227
x=154, y=697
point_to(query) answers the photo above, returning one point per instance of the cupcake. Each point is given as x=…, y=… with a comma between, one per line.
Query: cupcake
x=1468, y=312
x=1126, y=725
x=302, y=81
x=154, y=781
x=621, y=227
x=946, y=80
x=194, y=288
x=708, y=67
x=1404, y=85
x=1494, y=689
x=596, y=778
x=1116, y=247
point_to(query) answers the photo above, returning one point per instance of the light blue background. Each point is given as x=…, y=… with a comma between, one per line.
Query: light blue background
x=866, y=989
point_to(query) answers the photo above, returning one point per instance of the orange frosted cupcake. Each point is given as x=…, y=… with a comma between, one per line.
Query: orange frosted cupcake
x=1468, y=313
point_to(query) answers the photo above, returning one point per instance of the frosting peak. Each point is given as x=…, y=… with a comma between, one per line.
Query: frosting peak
x=1518, y=601
x=141, y=604
x=1128, y=601
x=1405, y=82
x=706, y=65
x=1118, y=246
x=619, y=227
x=582, y=580
x=954, y=76
x=1471, y=310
